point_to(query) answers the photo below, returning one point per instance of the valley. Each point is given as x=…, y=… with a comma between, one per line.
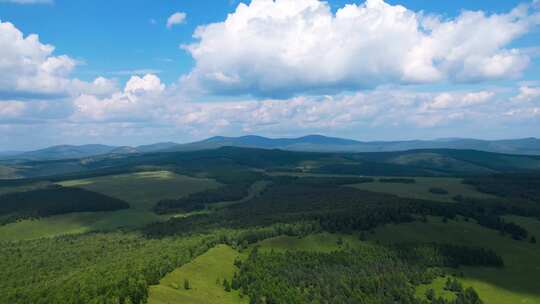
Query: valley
x=201, y=217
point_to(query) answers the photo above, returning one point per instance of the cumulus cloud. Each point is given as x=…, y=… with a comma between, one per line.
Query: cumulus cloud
x=145, y=110
x=138, y=101
x=27, y=65
x=175, y=19
x=146, y=101
x=11, y=109
x=29, y=69
x=457, y=100
x=284, y=47
x=527, y=93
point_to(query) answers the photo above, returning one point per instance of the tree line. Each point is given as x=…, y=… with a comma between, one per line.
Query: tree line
x=55, y=200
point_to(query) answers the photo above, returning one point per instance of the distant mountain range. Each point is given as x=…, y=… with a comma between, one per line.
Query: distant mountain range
x=310, y=143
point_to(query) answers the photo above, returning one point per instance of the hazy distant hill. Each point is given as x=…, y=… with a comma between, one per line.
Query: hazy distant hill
x=310, y=143
x=72, y=151
x=306, y=143
x=318, y=143
x=67, y=151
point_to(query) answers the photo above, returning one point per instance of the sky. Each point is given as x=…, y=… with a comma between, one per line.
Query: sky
x=138, y=72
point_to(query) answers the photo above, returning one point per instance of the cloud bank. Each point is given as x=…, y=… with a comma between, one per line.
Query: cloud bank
x=287, y=47
x=291, y=67
x=28, y=68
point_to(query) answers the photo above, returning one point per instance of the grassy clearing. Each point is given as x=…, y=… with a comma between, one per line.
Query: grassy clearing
x=7, y=172
x=142, y=190
x=202, y=273
x=75, y=223
x=218, y=263
x=438, y=286
x=23, y=188
x=420, y=189
x=517, y=282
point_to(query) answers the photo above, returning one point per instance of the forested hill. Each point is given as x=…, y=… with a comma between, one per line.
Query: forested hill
x=310, y=143
x=407, y=163
x=318, y=143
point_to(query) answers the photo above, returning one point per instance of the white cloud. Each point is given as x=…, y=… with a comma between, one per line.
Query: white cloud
x=456, y=100
x=11, y=109
x=175, y=19
x=146, y=110
x=27, y=65
x=527, y=93
x=138, y=101
x=28, y=69
x=148, y=102
x=283, y=47
x=149, y=83
x=100, y=86
x=135, y=72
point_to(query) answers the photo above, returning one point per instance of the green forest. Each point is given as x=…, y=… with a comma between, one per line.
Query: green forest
x=267, y=208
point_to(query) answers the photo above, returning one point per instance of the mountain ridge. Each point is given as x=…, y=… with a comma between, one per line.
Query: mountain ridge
x=308, y=143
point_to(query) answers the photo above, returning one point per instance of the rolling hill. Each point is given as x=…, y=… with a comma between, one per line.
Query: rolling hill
x=310, y=143
x=319, y=143
x=426, y=162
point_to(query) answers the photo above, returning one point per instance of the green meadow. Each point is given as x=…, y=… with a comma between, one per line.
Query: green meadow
x=218, y=264
x=205, y=275
x=438, y=286
x=141, y=190
x=420, y=189
x=516, y=282
x=22, y=188
x=7, y=172
x=74, y=223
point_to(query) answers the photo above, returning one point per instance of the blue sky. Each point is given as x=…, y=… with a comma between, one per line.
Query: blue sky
x=122, y=76
x=112, y=37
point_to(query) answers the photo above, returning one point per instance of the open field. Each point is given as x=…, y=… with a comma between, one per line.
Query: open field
x=203, y=274
x=438, y=286
x=142, y=190
x=7, y=172
x=218, y=263
x=74, y=223
x=420, y=189
x=517, y=282
x=22, y=188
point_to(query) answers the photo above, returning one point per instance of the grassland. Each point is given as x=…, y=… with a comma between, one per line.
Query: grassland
x=74, y=223
x=7, y=172
x=438, y=286
x=420, y=189
x=203, y=273
x=517, y=282
x=218, y=263
x=22, y=188
x=141, y=190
